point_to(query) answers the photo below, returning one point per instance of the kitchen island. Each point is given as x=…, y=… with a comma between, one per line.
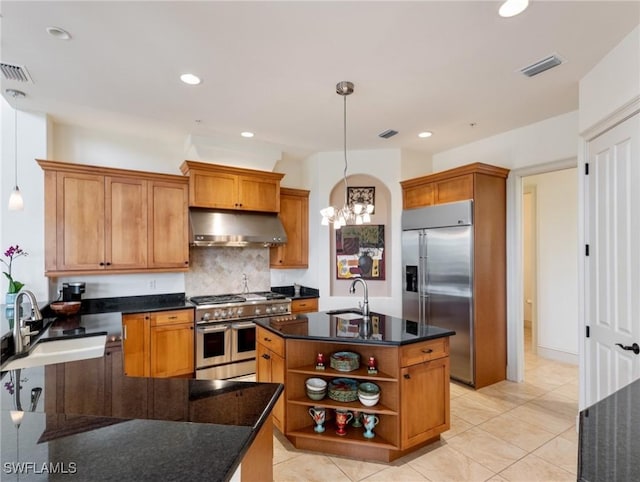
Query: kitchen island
x=412, y=362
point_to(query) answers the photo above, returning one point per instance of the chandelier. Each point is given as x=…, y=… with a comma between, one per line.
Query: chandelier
x=350, y=213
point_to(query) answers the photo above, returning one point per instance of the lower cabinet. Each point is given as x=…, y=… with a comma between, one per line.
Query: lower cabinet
x=304, y=305
x=270, y=367
x=159, y=344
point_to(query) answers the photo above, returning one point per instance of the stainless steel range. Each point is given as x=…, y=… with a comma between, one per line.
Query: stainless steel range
x=225, y=334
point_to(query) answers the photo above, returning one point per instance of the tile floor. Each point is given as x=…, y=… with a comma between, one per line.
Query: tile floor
x=505, y=432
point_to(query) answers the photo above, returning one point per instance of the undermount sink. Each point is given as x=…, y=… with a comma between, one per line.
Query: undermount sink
x=352, y=311
x=47, y=352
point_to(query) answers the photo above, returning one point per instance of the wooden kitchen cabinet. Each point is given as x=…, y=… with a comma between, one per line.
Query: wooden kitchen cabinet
x=225, y=187
x=294, y=214
x=304, y=305
x=424, y=392
x=159, y=344
x=270, y=367
x=486, y=186
x=101, y=220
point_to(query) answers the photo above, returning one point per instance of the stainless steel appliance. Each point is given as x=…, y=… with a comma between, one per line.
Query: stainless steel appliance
x=225, y=228
x=437, y=259
x=225, y=334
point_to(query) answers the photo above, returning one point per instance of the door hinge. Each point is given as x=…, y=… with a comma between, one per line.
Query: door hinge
x=586, y=168
x=586, y=250
x=588, y=331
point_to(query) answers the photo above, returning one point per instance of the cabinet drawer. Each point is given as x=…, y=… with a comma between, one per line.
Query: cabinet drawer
x=304, y=306
x=269, y=340
x=424, y=351
x=171, y=317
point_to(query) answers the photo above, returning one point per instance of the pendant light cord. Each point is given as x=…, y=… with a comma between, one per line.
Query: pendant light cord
x=15, y=134
x=344, y=174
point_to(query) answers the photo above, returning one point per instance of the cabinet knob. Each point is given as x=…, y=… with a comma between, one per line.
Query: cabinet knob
x=108, y=263
x=407, y=376
x=267, y=339
x=427, y=350
x=101, y=263
x=186, y=262
x=265, y=356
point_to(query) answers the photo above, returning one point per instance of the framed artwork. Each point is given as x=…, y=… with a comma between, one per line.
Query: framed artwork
x=364, y=195
x=360, y=252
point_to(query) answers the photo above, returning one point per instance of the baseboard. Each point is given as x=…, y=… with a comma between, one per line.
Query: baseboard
x=558, y=355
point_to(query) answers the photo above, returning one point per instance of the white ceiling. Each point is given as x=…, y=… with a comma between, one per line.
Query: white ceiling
x=271, y=67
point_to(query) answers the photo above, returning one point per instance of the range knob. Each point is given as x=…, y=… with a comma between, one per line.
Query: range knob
x=267, y=310
x=230, y=312
x=240, y=310
x=216, y=314
x=223, y=313
x=258, y=311
x=283, y=308
x=206, y=316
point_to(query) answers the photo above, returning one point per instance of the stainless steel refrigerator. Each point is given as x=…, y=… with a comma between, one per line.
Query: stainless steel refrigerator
x=437, y=259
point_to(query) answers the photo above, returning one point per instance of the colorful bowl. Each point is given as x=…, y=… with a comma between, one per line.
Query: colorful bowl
x=65, y=308
x=343, y=390
x=319, y=395
x=345, y=361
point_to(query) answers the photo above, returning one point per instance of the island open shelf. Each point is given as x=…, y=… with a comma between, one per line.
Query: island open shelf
x=413, y=376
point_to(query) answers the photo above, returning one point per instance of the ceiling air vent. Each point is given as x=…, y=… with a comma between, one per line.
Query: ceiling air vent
x=541, y=66
x=15, y=72
x=388, y=133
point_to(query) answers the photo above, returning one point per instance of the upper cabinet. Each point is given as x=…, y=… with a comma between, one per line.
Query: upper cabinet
x=448, y=186
x=294, y=214
x=101, y=219
x=225, y=187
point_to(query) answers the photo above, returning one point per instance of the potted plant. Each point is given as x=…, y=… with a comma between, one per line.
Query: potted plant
x=12, y=253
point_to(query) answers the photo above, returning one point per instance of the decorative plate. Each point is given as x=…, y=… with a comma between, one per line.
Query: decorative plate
x=343, y=389
x=345, y=361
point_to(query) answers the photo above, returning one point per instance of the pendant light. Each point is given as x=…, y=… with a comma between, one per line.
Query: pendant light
x=356, y=213
x=16, y=203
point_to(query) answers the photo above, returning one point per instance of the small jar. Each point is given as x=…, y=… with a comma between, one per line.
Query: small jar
x=296, y=289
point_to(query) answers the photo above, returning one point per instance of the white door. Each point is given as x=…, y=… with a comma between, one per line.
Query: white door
x=612, y=268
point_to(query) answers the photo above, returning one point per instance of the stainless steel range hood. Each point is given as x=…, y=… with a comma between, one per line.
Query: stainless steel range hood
x=228, y=228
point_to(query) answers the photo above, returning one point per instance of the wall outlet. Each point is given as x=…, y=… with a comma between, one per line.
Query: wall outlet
x=152, y=284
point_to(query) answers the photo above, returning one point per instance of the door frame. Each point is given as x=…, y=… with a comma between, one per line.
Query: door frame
x=532, y=191
x=515, y=268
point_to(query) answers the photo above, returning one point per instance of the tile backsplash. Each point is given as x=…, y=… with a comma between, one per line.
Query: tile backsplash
x=215, y=271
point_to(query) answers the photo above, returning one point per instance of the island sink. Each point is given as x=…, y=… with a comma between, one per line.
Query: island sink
x=47, y=352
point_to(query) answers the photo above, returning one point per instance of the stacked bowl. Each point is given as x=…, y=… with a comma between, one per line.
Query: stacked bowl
x=368, y=394
x=316, y=388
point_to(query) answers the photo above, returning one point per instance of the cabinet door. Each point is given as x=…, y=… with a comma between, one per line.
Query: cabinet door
x=418, y=196
x=294, y=214
x=135, y=344
x=128, y=395
x=458, y=188
x=425, y=401
x=125, y=223
x=263, y=363
x=213, y=190
x=80, y=222
x=172, y=350
x=278, y=376
x=168, y=225
x=258, y=194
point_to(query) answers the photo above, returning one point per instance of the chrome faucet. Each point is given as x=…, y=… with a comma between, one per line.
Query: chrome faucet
x=20, y=330
x=365, y=305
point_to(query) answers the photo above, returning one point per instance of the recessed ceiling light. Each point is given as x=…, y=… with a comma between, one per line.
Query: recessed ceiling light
x=59, y=33
x=246, y=134
x=425, y=134
x=511, y=8
x=190, y=79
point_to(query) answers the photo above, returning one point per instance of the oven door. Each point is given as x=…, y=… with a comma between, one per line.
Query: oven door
x=213, y=344
x=243, y=340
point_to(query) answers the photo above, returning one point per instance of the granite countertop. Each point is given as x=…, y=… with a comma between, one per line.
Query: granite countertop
x=290, y=292
x=350, y=327
x=147, y=440
x=609, y=440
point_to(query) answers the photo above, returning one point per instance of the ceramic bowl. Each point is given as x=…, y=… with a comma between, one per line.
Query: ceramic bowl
x=345, y=361
x=316, y=385
x=343, y=390
x=369, y=388
x=316, y=395
x=368, y=401
x=65, y=308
